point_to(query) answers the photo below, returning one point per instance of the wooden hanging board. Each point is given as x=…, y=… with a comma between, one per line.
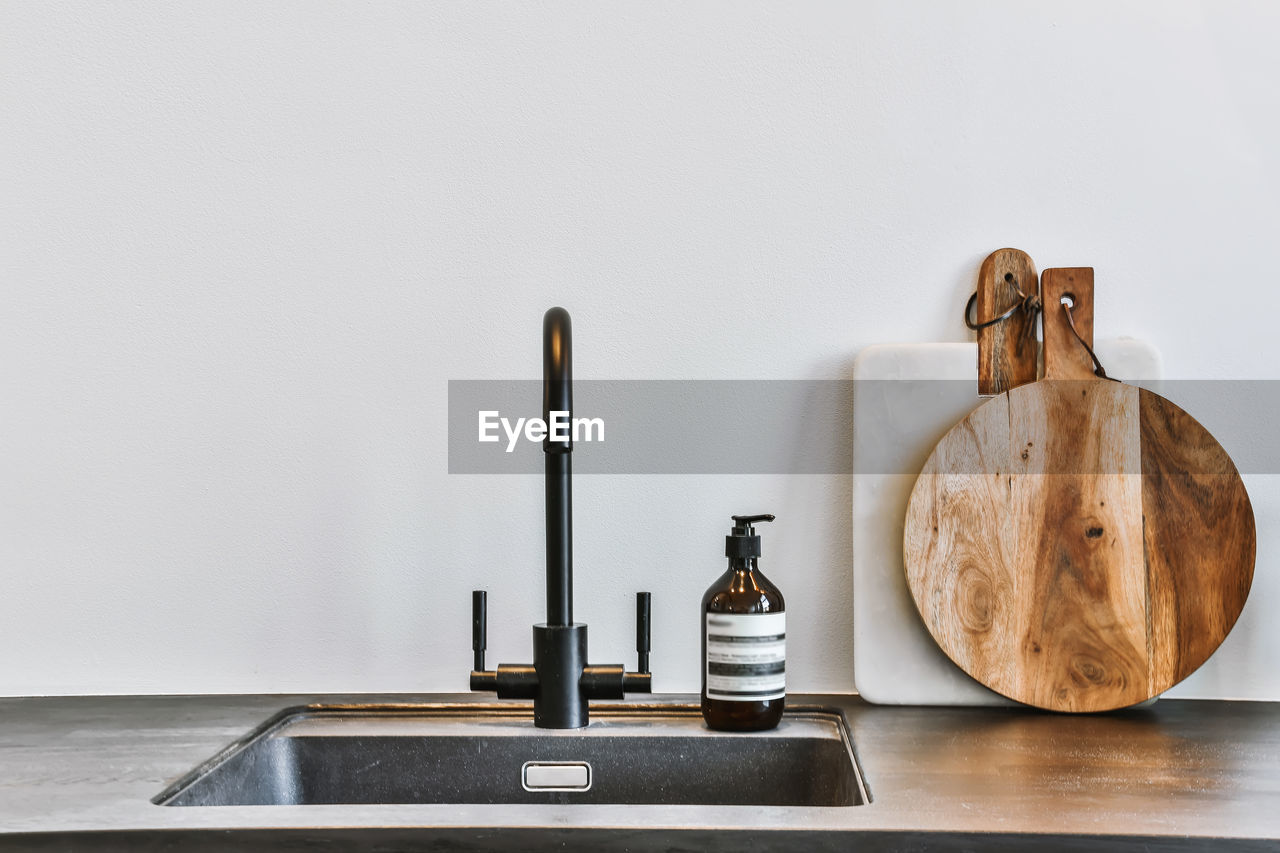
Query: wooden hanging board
x=1075, y=543
x=1007, y=351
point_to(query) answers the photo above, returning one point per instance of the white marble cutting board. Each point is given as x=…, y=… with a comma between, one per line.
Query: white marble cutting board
x=895, y=660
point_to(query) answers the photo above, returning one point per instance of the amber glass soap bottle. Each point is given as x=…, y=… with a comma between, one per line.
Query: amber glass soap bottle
x=744, y=639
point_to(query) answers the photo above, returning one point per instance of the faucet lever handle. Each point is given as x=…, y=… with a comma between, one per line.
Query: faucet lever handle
x=642, y=631
x=479, y=628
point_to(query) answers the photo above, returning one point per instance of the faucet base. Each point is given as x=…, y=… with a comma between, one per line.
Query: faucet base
x=559, y=658
x=560, y=681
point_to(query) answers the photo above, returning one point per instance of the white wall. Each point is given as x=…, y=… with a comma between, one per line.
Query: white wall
x=245, y=246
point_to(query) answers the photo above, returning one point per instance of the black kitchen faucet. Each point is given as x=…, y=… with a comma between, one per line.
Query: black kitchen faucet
x=559, y=681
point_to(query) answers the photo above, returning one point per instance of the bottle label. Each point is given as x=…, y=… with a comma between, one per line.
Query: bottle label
x=746, y=656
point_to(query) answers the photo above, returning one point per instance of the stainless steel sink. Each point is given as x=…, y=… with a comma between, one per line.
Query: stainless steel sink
x=655, y=754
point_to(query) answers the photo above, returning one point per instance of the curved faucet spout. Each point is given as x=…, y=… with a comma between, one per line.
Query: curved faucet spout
x=557, y=373
x=557, y=396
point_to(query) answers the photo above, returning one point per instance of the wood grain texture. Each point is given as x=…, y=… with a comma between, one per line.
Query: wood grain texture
x=1008, y=351
x=1064, y=358
x=1078, y=544
x=1077, y=494
x=1199, y=541
x=969, y=597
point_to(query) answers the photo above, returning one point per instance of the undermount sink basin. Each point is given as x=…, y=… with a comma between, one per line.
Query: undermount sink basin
x=655, y=754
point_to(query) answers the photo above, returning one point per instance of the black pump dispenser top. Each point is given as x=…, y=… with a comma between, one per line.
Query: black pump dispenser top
x=743, y=541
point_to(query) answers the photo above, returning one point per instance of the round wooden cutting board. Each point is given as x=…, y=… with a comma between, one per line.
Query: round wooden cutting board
x=1075, y=543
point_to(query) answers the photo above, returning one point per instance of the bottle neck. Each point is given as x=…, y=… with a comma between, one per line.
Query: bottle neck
x=742, y=564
